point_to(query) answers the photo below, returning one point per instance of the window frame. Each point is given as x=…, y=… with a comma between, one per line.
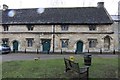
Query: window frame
x=29, y=42
x=5, y=41
x=92, y=43
x=92, y=28
x=30, y=27
x=64, y=44
x=5, y=27
x=64, y=27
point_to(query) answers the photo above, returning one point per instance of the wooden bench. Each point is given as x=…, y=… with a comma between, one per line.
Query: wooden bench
x=83, y=73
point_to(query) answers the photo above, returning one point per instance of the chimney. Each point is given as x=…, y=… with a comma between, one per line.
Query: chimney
x=100, y=4
x=5, y=7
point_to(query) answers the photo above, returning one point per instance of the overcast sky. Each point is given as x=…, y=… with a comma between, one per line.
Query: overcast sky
x=110, y=5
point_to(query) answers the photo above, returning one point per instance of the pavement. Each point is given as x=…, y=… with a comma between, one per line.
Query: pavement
x=29, y=56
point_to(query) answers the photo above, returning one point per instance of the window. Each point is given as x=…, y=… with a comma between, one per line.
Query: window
x=64, y=43
x=30, y=27
x=92, y=43
x=64, y=27
x=5, y=41
x=92, y=27
x=29, y=42
x=5, y=27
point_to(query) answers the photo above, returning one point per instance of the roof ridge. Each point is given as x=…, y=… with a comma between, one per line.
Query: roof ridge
x=51, y=8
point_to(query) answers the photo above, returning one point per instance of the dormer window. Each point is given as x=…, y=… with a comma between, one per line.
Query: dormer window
x=64, y=27
x=92, y=27
x=5, y=27
x=30, y=27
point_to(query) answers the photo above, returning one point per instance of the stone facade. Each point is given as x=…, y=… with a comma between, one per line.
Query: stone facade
x=74, y=34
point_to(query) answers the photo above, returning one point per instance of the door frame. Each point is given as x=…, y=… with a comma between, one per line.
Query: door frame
x=17, y=45
x=82, y=45
x=107, y=44
x=42, y=44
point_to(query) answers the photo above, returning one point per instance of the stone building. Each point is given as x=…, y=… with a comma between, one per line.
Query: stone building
x=119, y=24
x=76, y=29
x=116, y=30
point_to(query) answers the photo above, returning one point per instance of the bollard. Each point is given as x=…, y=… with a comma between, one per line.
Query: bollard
x=25, y=50
x=100, y=51
x=37, y=51
x=75, y=52
x=114, y=51
x=88, y=50
x=61, y=51
x=13, y=50
x=72, y=58
x=48, y=52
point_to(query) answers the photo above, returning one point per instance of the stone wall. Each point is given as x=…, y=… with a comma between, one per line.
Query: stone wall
x=75, y=33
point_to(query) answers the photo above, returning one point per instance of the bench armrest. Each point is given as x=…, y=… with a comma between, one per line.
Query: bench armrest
x=84, y=69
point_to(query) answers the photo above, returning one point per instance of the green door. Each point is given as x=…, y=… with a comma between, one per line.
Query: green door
x=79, y=46
x=15, y=46
x=46, y=45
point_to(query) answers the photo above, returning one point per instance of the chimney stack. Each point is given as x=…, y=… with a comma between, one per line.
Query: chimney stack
x=5, y=7
x=100, y=4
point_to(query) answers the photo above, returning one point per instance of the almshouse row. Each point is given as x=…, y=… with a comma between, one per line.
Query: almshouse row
x=55, y=29
x=78, y=38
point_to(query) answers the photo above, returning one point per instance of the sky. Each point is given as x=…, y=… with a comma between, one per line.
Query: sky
x=110, y=5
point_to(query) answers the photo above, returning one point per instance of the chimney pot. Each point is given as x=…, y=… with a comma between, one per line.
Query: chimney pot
x=100, y=4
x=5, y=7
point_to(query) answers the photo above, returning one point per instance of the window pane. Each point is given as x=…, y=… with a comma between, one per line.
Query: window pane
x=5, y=27
x=92, y=43
x=29, y=42
x=30, y=27
x=64, y=43
x=64, y=27
x=92, y=27
x=5, y=41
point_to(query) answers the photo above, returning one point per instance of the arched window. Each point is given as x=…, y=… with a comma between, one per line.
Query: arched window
x=107, y=42
x=30, y=27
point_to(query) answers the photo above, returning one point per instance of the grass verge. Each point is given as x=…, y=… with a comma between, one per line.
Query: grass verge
x=54, y=68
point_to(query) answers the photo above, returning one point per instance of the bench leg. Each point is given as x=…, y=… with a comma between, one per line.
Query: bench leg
x=87, y=73
x=67, y=69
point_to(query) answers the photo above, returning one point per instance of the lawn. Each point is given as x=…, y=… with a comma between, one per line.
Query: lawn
x=54, y=68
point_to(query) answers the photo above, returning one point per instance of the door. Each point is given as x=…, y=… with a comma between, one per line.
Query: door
x=46, y=45
x=15, y=46
x=79, y=47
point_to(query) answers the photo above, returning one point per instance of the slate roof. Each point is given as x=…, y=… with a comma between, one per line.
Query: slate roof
x=0, y=16
x=76, y=15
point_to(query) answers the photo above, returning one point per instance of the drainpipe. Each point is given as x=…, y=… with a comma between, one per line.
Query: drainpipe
x=53, y=38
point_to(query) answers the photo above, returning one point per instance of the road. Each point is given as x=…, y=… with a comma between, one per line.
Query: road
x=22, y=56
